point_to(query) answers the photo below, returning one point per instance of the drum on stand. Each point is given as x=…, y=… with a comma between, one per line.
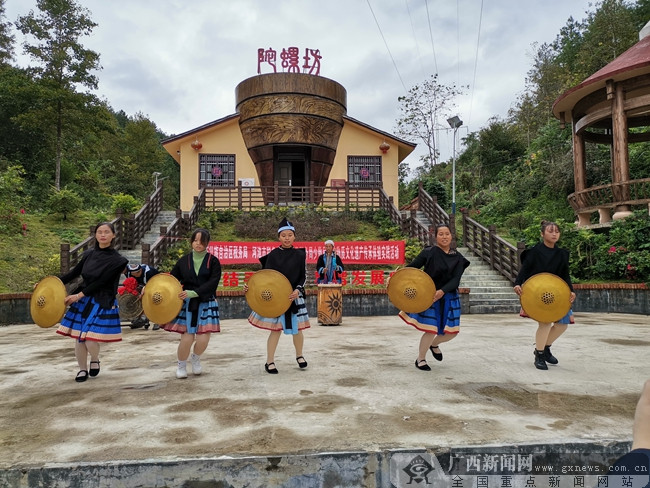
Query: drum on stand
x=330, y=304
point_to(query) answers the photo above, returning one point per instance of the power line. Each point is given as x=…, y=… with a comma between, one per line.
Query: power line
x=433, y=49
x=386, y=44
x=417, y=47
x=478, y=40
x=457, y=42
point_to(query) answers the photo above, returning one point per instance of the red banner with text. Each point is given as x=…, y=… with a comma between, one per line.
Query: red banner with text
x=350, y=252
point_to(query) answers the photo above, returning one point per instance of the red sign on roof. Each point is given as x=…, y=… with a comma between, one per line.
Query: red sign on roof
x=290, y=60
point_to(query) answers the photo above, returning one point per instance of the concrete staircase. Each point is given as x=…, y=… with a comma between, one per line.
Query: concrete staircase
x=163, y=219
x=489, y=291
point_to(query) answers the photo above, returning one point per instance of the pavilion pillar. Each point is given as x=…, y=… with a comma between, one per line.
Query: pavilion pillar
x=580, y=177
x=620, y=155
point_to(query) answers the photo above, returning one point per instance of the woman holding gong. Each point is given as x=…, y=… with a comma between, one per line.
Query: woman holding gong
x=441, y=321
x=546, y=257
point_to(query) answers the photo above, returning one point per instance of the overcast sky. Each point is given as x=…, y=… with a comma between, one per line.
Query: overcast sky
x=179, y=61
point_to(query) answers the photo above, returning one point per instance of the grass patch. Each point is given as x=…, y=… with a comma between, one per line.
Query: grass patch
x=26, y=259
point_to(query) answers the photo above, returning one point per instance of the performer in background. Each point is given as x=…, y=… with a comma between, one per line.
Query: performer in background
x=93, y=315
x=199, y=272
x=546, y=257
x=440, y=322
x=289, y=261
x=329, y=265
x=141, y=273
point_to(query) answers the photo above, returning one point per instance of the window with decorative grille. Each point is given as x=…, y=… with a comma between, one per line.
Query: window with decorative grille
x=364, y=171
x=216, y=170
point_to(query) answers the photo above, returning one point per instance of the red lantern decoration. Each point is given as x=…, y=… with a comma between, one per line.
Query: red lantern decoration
x=384, y=147
x=196, y=145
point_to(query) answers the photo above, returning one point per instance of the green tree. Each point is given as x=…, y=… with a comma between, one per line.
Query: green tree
x=6, y=38
x=65, y=202
x=63, y=64
x=610, y=30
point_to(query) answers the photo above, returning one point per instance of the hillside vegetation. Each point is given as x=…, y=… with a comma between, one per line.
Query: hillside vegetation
x=26, y=257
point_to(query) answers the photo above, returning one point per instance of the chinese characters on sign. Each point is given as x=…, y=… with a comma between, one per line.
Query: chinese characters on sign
x=351, y=252
x=515, y=470
x=234, y=279
x=290, y=60
x=366, y=252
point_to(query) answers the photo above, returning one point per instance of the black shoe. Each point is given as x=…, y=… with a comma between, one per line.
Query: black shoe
x=136, y=324
x=424, y=367
x=155, y=327
x=539, y=360
x=270, y=370
x=437, y=355
x=302, y=364
x=548, y=357
x=94, y=371
x=81, y=376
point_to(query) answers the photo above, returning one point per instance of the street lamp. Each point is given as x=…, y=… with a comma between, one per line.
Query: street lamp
x=454, y=122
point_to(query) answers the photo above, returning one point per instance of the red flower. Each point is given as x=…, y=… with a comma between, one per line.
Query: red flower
x=130, y=285
x=22, y=211
x=612, y=249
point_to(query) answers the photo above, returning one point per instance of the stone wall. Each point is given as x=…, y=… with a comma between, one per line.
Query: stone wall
x=370, y=469
x=612, y=298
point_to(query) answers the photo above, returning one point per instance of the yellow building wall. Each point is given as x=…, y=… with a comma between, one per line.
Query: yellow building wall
x=226, y=138
x=222, y=139
x=356, y=140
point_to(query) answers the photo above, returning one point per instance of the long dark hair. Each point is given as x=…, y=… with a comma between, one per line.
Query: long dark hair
x=110, y=226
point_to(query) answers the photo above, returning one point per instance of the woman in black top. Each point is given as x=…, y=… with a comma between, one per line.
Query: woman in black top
x=546, y=257
x=289, y=261
x=93, y=315
x=199, y=272
x=441, y=321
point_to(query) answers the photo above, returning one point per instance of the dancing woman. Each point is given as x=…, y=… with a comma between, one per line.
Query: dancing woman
x=546, y=257
x=93, y=315
x=199, y=272
x=441, y=321
x=291, y=263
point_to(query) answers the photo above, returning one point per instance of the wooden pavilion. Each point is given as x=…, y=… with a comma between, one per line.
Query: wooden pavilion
x=602, y=110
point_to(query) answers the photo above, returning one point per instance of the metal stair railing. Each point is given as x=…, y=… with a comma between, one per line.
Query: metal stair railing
x=484, y=242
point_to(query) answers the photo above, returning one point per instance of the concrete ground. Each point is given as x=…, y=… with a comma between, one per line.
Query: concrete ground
x=361, y=391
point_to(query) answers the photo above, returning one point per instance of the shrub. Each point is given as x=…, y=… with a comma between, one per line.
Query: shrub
x=64, y=202
x=127, y=203
x=12, y=201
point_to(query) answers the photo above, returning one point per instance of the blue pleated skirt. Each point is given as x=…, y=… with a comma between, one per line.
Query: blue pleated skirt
x=207, y=320
x=299, y=320
x=86, y=320
x=567, y=319
x=443, y=317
